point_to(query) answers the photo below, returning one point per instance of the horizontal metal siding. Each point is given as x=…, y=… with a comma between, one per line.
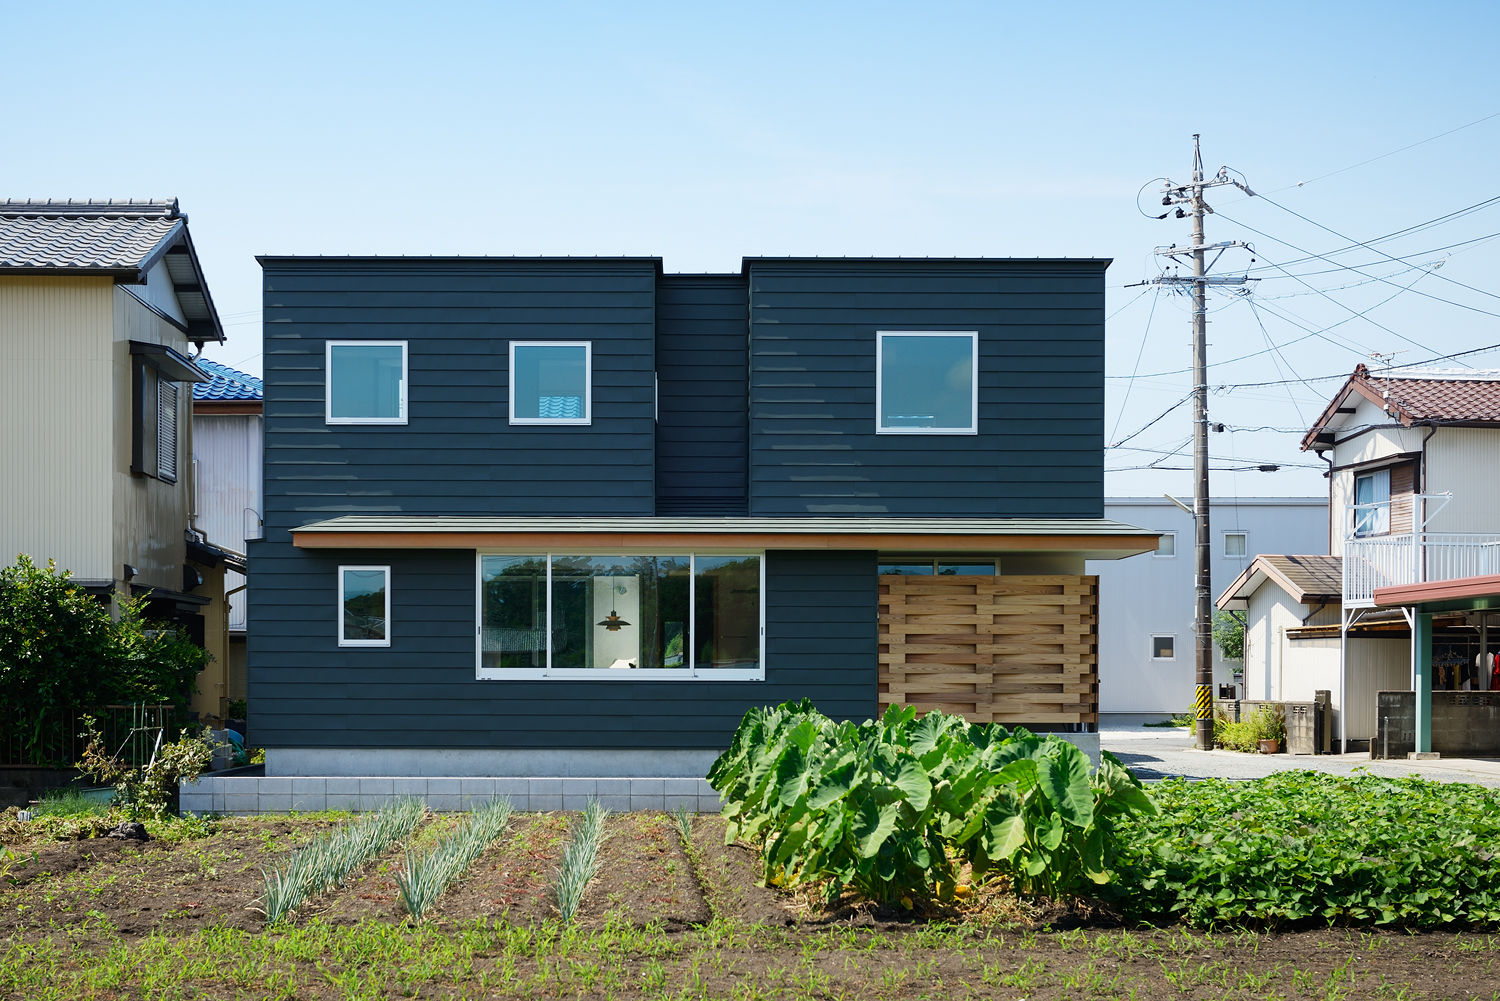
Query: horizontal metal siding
x=702, y=367
x=1039, y=450
x=458, y=453
x=306, y=691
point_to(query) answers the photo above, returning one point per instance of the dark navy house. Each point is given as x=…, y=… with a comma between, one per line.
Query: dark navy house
x=530, y=519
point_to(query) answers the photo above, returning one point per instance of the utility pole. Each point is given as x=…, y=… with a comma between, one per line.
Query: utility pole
x=1190, y=195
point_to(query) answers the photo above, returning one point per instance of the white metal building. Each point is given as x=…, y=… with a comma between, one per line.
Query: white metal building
x=1146, y=648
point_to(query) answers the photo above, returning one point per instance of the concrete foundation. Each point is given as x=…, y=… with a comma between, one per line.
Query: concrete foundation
x=243, y=792
x=295, y=762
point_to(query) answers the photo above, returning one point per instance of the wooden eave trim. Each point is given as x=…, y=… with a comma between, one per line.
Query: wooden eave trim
x=253, y=407
x=1442, y=590
x=1115, y=545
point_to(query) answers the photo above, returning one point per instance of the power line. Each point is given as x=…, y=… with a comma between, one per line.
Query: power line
x=1382, y=156
x=1138, y=354
x=1152, y=421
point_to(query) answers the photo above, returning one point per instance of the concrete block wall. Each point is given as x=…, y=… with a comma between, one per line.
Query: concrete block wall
x=245, y=795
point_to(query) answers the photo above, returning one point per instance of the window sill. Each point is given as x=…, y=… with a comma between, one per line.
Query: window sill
x=613, y=674
x=974, y=431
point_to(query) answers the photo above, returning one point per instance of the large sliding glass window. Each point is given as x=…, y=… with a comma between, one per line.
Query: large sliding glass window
x=620, y=616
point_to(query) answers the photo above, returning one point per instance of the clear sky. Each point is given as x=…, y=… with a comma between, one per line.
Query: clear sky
x=704, y=132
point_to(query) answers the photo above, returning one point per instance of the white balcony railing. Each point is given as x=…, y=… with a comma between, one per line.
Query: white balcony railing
x=1414, y=558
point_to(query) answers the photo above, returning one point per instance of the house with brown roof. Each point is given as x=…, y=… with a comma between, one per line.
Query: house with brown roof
x=101, y=305
x=1414, y=542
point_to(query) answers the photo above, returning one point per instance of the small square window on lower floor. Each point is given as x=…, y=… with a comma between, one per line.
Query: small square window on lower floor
x=1164, y=648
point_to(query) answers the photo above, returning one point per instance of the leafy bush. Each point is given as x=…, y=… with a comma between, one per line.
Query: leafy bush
x=891, y=807
x=1229, y=634
x=1307, y=846
x=61, y=650
x=1266, y=723
x=147, y=791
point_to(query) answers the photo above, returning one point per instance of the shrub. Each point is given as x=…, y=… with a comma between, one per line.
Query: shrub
x=61, y=651
x=891, y=807
x=1266, y=723
x=147, y=791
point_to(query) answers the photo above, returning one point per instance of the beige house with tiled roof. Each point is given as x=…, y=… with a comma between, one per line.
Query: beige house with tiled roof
x=1414, y=536
x=101, y=306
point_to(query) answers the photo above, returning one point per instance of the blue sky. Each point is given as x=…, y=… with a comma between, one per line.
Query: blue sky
x=702, y=133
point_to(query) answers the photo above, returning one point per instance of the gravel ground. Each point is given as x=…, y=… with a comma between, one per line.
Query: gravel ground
x=1163, y=752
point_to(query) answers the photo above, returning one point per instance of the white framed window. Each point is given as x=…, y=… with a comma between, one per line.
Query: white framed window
x=1372, y=503
x=1166, y=546
x=551, y=382
x=940, y=566
x=927, y=382
x=364, y=382
x=364, y=609
x=1163, y=647
x=1235, y=545
x=620, y=616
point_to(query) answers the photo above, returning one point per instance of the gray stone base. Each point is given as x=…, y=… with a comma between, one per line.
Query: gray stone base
x=291, y=762
x=242, y=795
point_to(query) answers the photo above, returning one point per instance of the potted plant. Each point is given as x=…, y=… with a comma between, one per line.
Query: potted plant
x=1270, y=729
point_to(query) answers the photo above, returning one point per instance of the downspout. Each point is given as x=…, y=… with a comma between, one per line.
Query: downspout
x=227, y=595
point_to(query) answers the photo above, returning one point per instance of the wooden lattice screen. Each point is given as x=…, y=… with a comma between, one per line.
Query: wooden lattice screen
x=1020, y=649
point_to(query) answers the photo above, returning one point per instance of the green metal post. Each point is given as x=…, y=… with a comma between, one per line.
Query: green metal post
x=1422, y=659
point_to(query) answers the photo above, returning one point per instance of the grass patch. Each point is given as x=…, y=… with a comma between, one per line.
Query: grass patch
x=69, y=802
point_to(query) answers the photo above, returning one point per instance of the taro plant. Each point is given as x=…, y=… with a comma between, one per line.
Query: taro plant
x=580, y=860
x=889, y=808
x=329, y=860
x=424, y=877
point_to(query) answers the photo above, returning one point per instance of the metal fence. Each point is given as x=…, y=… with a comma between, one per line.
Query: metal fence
x=1414, y=558
x=131, y=732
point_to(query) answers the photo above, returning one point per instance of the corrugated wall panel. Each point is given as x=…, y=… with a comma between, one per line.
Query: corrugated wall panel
x=1465, y=461
x=56, y=370
x=814, y=449
x=227, y=454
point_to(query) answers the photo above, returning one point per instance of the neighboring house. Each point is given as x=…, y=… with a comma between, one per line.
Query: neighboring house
x=572, y=517
x=1147, y=657
x=99, y=303
x=1414, y=536
x=227, y=457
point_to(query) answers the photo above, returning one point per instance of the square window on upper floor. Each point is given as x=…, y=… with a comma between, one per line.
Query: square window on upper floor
x=926, y=382
x=550, y=382
x=1236, y=545
x=365, y=382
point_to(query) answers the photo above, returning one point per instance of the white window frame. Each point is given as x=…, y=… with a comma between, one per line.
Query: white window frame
x=339, y=626
x=549, y=673
x=588, y=384
x=328, y=418
x=1166, y=556
x=1224, y=546
x=973, y=335
x=1163, y=636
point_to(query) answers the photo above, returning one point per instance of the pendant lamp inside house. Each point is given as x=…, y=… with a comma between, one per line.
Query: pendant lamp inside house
x=612, y=622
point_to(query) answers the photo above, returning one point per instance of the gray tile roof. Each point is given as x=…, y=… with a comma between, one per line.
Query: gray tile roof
x=120, y=239
x=85, y=236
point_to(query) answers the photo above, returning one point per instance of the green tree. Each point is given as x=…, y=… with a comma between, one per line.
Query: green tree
x=1229, y=634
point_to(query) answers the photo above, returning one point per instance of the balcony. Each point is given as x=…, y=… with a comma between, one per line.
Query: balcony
x=1378, y=561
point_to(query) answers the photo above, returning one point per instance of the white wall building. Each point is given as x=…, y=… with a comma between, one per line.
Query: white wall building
x=1146, y=604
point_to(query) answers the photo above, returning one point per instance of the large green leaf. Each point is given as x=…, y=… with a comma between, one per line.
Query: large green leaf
x=1063, y=775
x=914, y=782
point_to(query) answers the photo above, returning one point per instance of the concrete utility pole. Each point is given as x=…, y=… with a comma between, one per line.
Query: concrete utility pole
x=1191, y=195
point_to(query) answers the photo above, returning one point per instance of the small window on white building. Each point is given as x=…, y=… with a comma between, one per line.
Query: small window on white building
x=1167, y=544
x=550, y=382
x=1234, y=545
x=1372, y=503
x=1164, y=648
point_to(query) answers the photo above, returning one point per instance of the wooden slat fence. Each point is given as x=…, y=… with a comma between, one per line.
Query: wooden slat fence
x=1020, y=649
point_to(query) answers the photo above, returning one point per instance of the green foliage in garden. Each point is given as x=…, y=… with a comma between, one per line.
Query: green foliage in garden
x=891, y=807
x=580, y=860
x=1307, y=846
x=426, y=875
x=1266, y=723
x=1229, y=635
x=61, y=650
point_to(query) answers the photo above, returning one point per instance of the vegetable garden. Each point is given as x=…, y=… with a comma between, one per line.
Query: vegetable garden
x=900, y=857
